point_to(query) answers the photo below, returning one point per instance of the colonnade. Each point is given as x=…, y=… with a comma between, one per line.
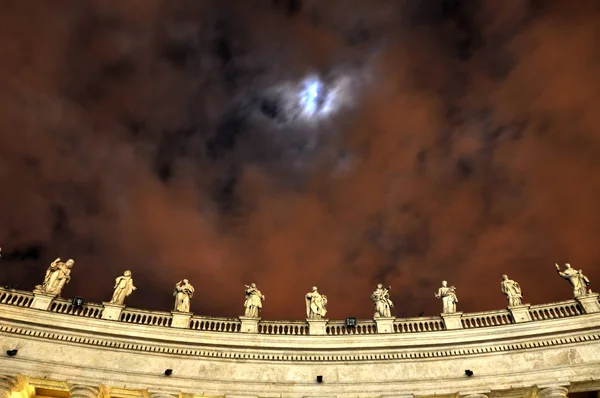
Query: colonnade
x=10, y=384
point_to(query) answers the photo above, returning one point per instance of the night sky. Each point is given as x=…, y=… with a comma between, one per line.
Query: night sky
x=336, y=143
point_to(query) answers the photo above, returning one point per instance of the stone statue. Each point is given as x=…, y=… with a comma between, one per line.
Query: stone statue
x=512, y=290
x=316, y=304
x=183, y=292
x=448, y=296
x=253, y=303
x=57, y=276
x=383, y=304
x=123, y=288
x=579, y=281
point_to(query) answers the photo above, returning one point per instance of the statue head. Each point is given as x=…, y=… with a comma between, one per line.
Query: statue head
x=127, y=273
x=185, y=281
x=70, y=263
x=504, y=277
x=253, y=284
x=567, y=266
x=314, y=288
x=444, y=283
x=379, y=286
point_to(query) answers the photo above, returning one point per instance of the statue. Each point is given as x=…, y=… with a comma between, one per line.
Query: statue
x=512, y=290
x=579, y=281
x=448, y=296
x=57, y=276
x=316, y=304
x=183, y=292
x=253, y=303
x=123, y=288
x=383, y=304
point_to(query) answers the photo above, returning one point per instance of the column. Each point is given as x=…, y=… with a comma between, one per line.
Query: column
x=553, y=392
x=84, y=391
x=8, y=384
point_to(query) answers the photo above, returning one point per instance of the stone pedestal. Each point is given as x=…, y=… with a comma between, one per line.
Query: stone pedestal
x=553, y=392
x=112, y=311
x=249, y=325
x=317, y=327
x=589, y=302
x=452, y=320
x=42, y=301
x=181, y=320
x=520, y=313
x=385, y=325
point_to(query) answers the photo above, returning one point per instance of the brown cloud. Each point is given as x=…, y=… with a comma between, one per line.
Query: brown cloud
x=130, y=139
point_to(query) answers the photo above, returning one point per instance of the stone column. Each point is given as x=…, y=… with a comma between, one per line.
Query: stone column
x=8, y=384
x=249, y=325
x=452, y=320
x=476, y=395
x=84, y=391
x=384, y=325
x=553, y=392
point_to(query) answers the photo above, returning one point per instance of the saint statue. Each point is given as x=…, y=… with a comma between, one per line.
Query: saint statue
x=383, y=304
x=448, y=296
x=253, y=303
x=512, y=290
x=579, y=281
x=123, y=288
x=183, y=292
x=57, y=276
x=316, y=304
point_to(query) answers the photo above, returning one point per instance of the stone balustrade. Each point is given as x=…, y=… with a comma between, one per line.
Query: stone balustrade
x=563, y=309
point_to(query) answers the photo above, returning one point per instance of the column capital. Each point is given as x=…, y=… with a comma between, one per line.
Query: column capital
x=553, y=391
x=8, y=384
x=85, y=391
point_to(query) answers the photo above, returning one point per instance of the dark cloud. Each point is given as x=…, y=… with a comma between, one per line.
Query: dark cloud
x=143, y=135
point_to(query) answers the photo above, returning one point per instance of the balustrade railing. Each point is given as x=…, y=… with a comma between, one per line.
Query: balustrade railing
x=561, y=309
x=295, y=328
x=15, y=297
x=215, y=324
x=335, y=328
x=484, y=319
x=90, y=310
x=541, y=312
x=141, y=317
x=413, y=325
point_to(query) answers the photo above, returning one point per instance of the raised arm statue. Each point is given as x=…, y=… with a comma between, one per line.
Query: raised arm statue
x=183, y=292
x=448, y=296
x=512, y=290
x=57, y=276
x=316, y=304
x=579, y=281
x=253, y=302
x=123, y=288
x=383, y=304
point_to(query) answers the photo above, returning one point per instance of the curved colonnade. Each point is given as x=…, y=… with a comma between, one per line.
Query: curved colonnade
x=56, y=349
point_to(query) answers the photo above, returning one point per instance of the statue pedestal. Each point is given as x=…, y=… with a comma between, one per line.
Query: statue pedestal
x=520, y=313
x=384, y=325
x=249, y=325
x=589, y=302
x=112, y=311
x=42, y=301
x=317, y=327
x=181, y=320
x=452, y=320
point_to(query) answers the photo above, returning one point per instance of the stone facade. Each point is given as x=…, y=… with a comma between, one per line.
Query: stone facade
x=545, y=351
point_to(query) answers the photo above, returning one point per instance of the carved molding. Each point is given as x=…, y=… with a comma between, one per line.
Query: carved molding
x=373, y=356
